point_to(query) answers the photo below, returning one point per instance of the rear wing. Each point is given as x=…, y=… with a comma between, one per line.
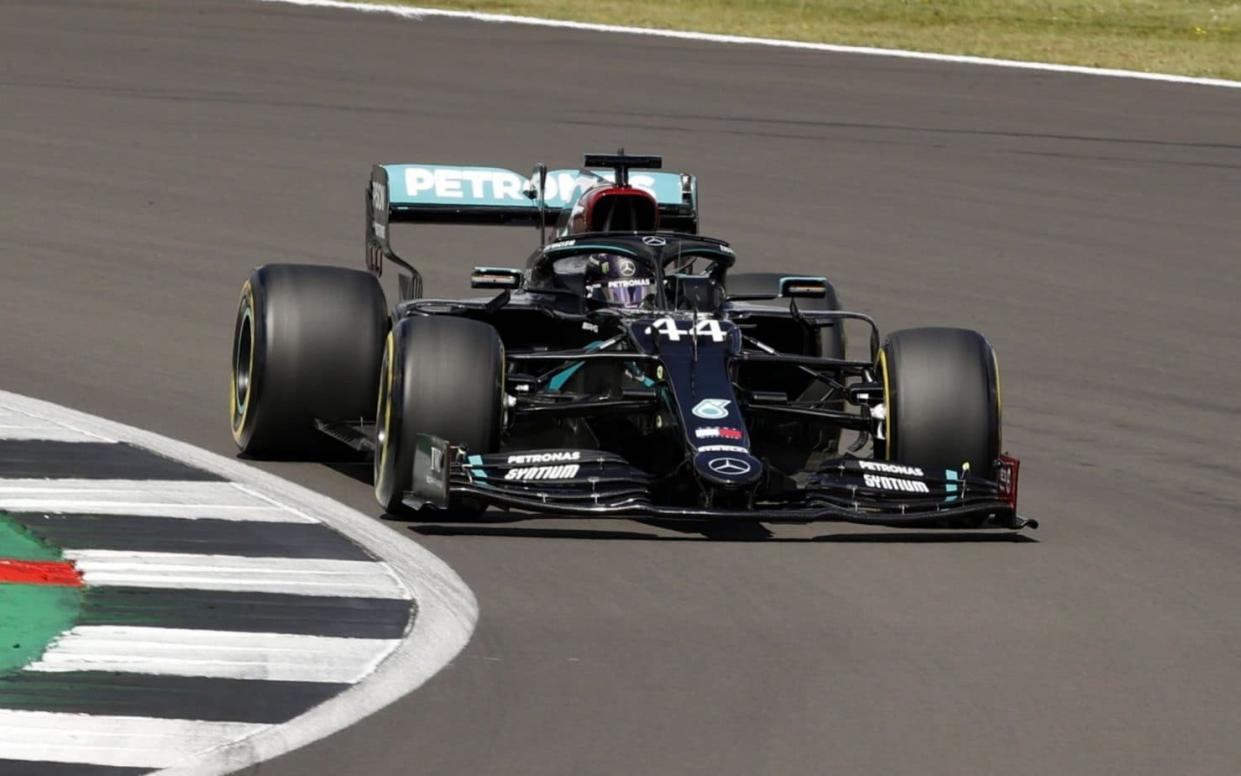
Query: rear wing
x=445, y=194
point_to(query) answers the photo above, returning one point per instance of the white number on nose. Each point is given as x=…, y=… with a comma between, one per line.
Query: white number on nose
x=667, y=327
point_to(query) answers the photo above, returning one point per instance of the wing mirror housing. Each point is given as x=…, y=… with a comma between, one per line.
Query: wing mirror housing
x=496, y=277
x=803, y=287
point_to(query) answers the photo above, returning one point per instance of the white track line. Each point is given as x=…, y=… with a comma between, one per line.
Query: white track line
x=134, y=742
x=21, y=426
x=217, y=654
x=160, y=498
x=354, y=578
x=410, y=12
x=446, y=616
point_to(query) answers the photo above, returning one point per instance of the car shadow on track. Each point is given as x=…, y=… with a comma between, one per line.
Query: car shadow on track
x=361, y=470
x=712, y=532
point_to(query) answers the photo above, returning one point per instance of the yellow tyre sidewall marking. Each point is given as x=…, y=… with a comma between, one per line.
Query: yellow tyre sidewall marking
x=384, y=411
x=887, y=406
x=234, y=403
x=999, y=403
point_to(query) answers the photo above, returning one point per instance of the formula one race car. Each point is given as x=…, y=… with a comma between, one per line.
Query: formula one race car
x=627, y=370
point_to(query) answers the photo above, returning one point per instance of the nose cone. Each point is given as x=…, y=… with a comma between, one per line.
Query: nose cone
x=728, y=469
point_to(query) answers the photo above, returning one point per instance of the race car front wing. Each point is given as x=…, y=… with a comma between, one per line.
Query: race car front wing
x=585, y=483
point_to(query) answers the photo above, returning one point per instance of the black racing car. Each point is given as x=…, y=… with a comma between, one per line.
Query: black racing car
x=627, y=370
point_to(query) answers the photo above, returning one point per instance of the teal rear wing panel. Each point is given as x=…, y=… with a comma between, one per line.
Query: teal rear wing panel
x=436, y=193
x=446, y=194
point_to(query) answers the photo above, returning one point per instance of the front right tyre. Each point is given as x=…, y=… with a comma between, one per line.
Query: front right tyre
x=306, y=347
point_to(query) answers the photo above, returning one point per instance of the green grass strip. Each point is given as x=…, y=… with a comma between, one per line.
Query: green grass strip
x=1186, y=37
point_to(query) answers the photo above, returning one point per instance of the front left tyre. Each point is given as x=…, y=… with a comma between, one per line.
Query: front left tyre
x=442, y=376
x=306, y=346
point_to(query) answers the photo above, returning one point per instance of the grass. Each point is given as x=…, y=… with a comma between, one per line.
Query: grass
x=1189, y=37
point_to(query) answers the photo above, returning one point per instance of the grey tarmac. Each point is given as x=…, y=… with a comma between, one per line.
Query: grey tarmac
x=153, y=152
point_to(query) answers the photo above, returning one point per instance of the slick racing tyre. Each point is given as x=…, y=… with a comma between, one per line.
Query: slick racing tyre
x=942, y=394
x=442, y=376
x=306, y=346
x=796, y=440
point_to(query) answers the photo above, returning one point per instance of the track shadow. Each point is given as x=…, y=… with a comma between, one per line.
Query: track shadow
x=504, y=527
x=915, y=537
x=334, y=456
x=362, y=471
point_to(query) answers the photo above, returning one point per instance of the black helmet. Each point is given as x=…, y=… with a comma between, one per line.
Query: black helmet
x=618, y=281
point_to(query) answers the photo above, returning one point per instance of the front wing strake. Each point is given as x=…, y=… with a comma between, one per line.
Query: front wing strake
x=593, y=483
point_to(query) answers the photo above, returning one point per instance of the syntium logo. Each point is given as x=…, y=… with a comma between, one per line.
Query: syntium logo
x=895, y=483
x=561, y=472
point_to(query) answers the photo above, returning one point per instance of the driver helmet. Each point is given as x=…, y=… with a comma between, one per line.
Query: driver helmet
x=618, y=281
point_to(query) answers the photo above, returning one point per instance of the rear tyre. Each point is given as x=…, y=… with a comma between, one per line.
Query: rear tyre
x=942, y=396
x=443, y=376
x=306, y=346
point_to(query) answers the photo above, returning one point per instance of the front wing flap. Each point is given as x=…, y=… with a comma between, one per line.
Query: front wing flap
x=569, y=479
x=894, y=491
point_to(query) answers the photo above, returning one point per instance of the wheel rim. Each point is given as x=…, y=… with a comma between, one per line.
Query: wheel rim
x=243, y=364
x=383, y=415
x=887, y=407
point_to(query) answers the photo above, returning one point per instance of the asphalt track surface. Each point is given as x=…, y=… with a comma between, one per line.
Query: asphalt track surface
x=153, y=152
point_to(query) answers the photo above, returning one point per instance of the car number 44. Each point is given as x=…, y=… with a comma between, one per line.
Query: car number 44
x=711, y=328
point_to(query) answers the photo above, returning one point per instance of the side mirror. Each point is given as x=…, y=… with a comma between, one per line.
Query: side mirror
x=496, y=277
x=796, y=287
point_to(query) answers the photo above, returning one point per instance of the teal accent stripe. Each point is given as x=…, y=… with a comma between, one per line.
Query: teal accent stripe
x=560, y=379
x=593, y=247
x=475, y=462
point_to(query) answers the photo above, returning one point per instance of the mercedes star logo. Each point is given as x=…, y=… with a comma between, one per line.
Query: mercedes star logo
x=654, y=241
x=729, y=467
